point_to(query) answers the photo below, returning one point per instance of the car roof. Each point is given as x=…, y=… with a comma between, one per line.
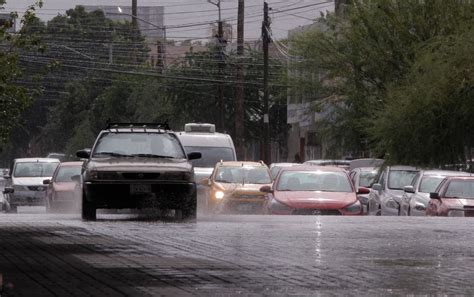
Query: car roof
x=75, y=163
x=314, y=168
x=29, y=160
x=241, y=163
x=446, y=173
x=205, y=139
x=287, y=164
x=135, y=130
x=460, y=177
x=403, y=167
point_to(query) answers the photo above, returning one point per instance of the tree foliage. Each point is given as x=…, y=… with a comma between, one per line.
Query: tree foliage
x=14, y=98
x=367, y=53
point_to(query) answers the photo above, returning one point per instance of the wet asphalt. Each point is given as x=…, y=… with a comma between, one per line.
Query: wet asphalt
x=235, y=255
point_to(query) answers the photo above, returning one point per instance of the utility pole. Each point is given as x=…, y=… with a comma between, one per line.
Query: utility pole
x=220, y=119
x=239, y=92
x=135, y=30
x=266, y=117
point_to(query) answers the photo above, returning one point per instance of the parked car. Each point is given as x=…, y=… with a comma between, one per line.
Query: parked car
x=313, y=190
x=64, y=189
x=138, y=165
x=24, y=186
x=363, y=177
x=387, y=192
x=417, y=195
x=276, y=167
x=345, y=164
x=454, y=197
x=60, y=156
x=235, y=187
x=366, y=162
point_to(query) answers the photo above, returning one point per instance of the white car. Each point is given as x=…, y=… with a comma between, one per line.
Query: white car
x=24, y=186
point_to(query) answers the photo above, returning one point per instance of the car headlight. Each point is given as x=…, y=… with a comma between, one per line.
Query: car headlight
x=219, y=195
x=90, y=175
x=354, y=207
x=455, y=213
x=390, y=203
x=20, y=188
x=278, y=206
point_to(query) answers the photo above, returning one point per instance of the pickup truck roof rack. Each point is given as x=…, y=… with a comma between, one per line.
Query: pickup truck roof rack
x=164, y=125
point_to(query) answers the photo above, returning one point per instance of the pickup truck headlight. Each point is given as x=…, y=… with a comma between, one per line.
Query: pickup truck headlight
x=455, y=213
x=390, y=203
x=354, y=207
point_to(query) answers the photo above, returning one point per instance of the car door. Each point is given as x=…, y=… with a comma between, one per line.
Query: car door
x=374, y=196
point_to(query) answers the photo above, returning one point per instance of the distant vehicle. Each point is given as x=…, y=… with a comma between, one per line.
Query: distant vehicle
x=214, y=147
x=3, y=182
x=386, y=194
x=367, y=162
x=363, y=177
x=138, y=165
x=345, y=164
x=417, y=195
x=64, y=188
x=313, y=190
x=276, y=167
x=454, y=197
x=235, y=187
x=24, y=186
x=60, y=156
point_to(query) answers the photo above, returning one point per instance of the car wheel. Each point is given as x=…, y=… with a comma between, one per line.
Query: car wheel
x=12, y=209
x=409, y=211
x=88, y=209
x=378, y=212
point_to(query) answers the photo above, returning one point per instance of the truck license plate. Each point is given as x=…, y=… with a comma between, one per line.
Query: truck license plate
x=140, y=189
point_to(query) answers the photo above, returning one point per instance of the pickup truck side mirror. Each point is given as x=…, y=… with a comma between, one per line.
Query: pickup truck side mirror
x=46, y=182
x=83, y=154
x=194, y=155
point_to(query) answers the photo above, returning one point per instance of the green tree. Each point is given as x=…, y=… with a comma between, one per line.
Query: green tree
x=363, y=53
x=14, y=97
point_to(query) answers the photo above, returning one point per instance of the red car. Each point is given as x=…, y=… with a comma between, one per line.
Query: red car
x=313, y=190
x=454, y=197
x=64, y=187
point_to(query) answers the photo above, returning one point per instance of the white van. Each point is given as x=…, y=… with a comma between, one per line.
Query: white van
x=213, y=147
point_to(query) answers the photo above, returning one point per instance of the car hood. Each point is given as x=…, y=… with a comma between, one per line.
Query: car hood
x=139, y=164
x=202, y=172
x=29, y=181
x=315, y=199
x=457, y=203
x=241, y=189
x=64, y=186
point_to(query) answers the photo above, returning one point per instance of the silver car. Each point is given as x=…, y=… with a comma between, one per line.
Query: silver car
x=363, y=177
x=386, y=194
x=417, y=195
x=24, y=186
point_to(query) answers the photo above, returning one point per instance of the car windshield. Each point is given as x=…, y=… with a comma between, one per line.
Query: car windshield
x=460, y=189
x=429, y=184
x=243, y=175
x=35, y=169
x=367, y=178
x=314, y=181
x=138, y=145
x=397, y=179
x=210, y=155
x=66, y=173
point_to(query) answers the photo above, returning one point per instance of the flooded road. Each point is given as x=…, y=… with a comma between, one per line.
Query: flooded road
x=239, y=255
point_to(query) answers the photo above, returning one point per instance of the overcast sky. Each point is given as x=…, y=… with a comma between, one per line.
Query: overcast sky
x=293, y=13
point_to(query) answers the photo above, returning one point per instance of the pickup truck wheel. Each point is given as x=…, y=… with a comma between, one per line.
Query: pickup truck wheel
x=88, y=209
